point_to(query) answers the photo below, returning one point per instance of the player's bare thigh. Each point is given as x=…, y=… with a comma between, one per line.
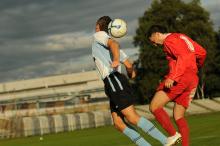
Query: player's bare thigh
x=131, y=115
x=159, y=100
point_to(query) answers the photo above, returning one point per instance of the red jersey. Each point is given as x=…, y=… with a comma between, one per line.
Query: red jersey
x=183, y=55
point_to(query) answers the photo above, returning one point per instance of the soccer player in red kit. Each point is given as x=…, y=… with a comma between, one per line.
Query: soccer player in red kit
x=185, y=56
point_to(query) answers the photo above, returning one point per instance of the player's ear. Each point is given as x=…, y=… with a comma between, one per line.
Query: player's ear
x=97, y=27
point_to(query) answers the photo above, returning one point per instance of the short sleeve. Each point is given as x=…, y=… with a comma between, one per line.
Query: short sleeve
x=101, y=37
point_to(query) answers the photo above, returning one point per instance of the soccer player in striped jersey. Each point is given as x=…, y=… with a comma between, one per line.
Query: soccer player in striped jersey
x=108, y=59
x=185, y=56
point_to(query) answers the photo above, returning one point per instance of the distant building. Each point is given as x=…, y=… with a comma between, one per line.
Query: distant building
x=52, y=91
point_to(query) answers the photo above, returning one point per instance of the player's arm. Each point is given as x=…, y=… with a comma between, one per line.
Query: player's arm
x=180, y=66
x=114, y=48
x=130, y=69
x=171, y=65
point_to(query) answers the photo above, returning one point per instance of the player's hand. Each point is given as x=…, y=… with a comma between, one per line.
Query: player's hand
x=131, y=74
x=169, y=83
x=115, y=64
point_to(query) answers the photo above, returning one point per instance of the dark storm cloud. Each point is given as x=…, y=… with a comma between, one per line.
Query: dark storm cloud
x=28, y=59
x=35, y=36
x=28, y=19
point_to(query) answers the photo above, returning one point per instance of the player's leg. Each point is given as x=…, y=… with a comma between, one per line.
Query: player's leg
x=123, y=102
x=156, y=107
x=131, y=133
x=146, y=125
x=181, y=122
x=179, y=111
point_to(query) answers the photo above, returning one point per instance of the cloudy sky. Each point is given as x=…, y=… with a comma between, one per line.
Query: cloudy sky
x=48, y=37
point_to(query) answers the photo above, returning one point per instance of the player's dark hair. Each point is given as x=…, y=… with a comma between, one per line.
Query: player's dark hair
x=156, y=28
x=103, y=23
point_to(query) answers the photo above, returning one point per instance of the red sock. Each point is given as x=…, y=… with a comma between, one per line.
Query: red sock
x=184, y=131
x=164, y=120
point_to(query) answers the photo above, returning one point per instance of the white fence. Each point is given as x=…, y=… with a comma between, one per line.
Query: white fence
x=18, y=126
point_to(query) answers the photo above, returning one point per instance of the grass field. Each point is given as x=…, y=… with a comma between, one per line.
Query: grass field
x=205, y=131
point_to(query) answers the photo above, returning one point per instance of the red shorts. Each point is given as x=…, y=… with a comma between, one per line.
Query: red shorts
x=183, y=91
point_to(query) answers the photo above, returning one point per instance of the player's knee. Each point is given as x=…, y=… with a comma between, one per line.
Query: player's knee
x=156, y=102
x=133, y=119
x=119, y=125
x=177, y=117
x=153, y=107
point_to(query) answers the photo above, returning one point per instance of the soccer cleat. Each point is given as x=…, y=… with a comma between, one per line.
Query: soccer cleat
x=173, y=140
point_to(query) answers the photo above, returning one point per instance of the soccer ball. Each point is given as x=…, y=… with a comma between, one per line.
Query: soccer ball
x=117, y=28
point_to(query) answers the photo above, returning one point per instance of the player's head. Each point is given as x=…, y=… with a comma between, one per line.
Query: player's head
x=102, y=23
x=155, y=34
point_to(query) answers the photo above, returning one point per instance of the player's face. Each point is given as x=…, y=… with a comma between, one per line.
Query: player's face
x=97, y=28
x=155, y=38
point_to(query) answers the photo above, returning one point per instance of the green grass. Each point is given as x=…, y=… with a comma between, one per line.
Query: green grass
x=205, y=131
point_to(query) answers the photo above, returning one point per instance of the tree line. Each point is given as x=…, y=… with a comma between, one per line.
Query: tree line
x=178, y=16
